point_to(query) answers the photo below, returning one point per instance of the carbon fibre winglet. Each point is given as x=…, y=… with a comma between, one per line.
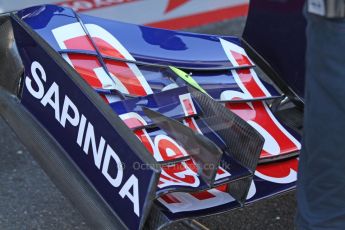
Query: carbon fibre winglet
x=204, y=152
x=243, y=142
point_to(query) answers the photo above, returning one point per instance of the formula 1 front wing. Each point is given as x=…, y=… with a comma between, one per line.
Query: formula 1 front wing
x=136, y=125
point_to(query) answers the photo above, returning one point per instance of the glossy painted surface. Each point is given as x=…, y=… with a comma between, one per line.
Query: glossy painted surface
x=144, y=43
x=154, y=87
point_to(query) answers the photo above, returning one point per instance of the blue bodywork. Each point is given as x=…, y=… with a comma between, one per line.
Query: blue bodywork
x=191, y=52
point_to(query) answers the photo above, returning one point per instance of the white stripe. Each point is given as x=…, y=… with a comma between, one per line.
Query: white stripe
x=227, y=46
x=292, y=177
x=67, y=32
x=188, y=97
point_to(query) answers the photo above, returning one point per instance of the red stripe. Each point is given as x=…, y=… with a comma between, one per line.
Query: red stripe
x=174, y=4
x=240, y=58
x=249, y=82
x=202, y=18
x=89, y=5
x=190, y=124
x=120, y=69
x=188, y=106
x=203, y=195
x=170, y=199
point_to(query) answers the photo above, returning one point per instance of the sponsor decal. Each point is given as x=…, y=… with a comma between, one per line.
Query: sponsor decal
x=125, y=77
x=165, y=148
x=162, y=147
x=187, y=202
x=284, y=172
x=277, y=139
x=278, y=173
x=67, y=113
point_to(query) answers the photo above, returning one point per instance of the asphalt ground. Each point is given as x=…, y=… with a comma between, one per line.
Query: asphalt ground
x=29, y=200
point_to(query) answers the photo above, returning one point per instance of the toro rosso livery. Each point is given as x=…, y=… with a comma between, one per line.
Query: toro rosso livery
x=141, y=127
